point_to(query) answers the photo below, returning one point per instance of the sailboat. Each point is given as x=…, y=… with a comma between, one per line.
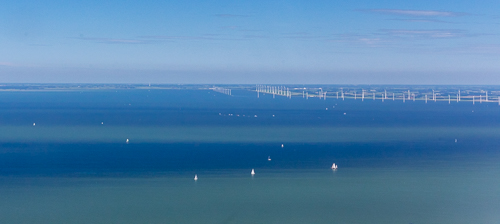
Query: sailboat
x=334, y=166
x=253, y=172
x=195, y=177
x=269, y=158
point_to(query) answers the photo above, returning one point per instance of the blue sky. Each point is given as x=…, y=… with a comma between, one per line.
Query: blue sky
x=356, y=42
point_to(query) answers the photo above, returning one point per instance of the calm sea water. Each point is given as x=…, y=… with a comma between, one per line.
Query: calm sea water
x=398, y=162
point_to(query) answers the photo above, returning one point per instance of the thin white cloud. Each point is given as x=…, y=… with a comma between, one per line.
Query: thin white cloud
x=363, y=39
x=205, y=37
x=370, y=41
x=151, y=39
x=113, y=40
x=422, y=20
x=433, y=34
x=301, y=35
x=398, y=37
x=254, y=36
x=166, y=37
x=417, y=13
x=230, y=15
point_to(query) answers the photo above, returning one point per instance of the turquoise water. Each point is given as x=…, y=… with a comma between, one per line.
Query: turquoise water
x=398, y=163
x=349, y=195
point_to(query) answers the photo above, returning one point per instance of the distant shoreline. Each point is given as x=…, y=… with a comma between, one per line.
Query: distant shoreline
x=451, y=93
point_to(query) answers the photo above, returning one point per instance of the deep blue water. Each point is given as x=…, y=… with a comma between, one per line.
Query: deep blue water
x=121, y=160
x=419, y=179
x=157, y=108
x=202, y=107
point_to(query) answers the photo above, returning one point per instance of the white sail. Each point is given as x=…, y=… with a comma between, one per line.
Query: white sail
x=334, y=166
x=253, y=172
x=195, y=177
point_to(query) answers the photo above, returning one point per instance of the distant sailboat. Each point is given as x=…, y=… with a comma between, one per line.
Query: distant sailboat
x=269, y=158
x=334, y=166
x=34, y=124
x=195, y=177
x=126, y=141
x=282, y=145
x=253, y=172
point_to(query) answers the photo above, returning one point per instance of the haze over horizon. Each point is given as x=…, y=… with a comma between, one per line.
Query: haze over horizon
x=287, y=42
